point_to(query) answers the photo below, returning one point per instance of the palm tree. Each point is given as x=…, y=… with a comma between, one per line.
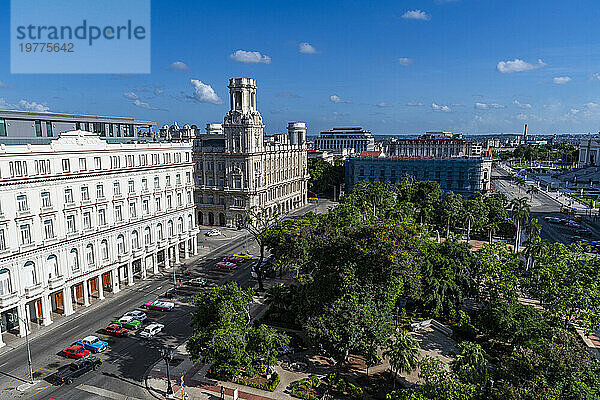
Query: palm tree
x=520, y=183
x=531, y=190
x=471, y=363
x=403, y=353
x=520, y=213
x=492, y=227
x=470, y=220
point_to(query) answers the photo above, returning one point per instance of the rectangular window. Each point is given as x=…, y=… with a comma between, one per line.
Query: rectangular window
x=82, y=164
x=169, y=202
x=101, y=217
x=189, y=198
x=87, y=220
x=97, y=163
x=18, y=168
x=38, y=128
x=46, y=200
x=110, y=130
x=42, y=167
x=144, y=184
x=146, y=207
x=188, y=177
x=66, y=165
x=48, y=229
x=25, y=234
x=238, y=202
x=131, y=185
x=118, y=214
x=2, y=127
x=68, y=196
x=85, y=195
x=100, y=191
x=22, y=203
x=77, y=126
x=2, y=239
x=168, y=181
x=48, y=129
x=179, y=203
x=178, y=179
x=156, y=182
x=132, y=210
x=116, y=189
x=157, y=202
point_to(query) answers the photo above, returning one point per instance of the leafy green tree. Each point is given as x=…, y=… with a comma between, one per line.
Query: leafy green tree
x=425, y=196
x=475, y=214
x=324, y=176
x=497, y=214
x=222, y=333
x=496, y=275
x=471, y=364
x=259, y=220
x=451, y=210
x=403, y=353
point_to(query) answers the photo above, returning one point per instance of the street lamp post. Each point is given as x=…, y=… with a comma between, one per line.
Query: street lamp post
x=167, y=355
x=28, y=349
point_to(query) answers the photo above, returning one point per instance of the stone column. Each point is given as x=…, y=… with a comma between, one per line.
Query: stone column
x=23, y=319
x=100, y=287
x=177, y=254
x=186, y=249
x=129, y=273
x=195, y=244
x=114, y=279
x=2, y=344
x=144, y=266
x=154, y=264
x=86, y=293
x=46, y=310
x=67, y=300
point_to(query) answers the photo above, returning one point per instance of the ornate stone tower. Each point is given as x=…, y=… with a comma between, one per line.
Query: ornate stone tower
x=243, y=126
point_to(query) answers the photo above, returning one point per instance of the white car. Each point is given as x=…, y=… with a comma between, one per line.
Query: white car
x=151, y=330
x=213, y=232
x=136, y=314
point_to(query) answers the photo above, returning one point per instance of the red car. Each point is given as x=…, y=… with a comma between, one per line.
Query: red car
x=76, y=351
x=226, y=265
x=233, y=259
x=115, y=330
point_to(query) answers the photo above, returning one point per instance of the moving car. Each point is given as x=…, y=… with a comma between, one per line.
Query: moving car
x=115, y=330
x=233, y=259
x=129, y=322
x=573, y=224
x=226, y=265
x=197, y=282
x=159, y=305
x=213, y=232
x=93, y=344
x=151, y=330
x=76, y=351
x=552, y=220
x=139, y=315
x=67, y=373
x=243, y=254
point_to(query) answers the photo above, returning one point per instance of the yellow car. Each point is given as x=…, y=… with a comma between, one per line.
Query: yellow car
x=244, y=255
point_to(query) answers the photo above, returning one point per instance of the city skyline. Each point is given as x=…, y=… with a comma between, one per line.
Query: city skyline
x=420, y=68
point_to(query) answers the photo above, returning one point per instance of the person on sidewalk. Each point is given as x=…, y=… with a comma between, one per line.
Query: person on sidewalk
x=222, y=392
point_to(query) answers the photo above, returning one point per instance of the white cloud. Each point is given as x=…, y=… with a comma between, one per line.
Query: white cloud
x=250, y=57
x=130, y=96
x=416, y=14
x=24, y=105
x=522, y=117
x=521, y=105
x=561, y=80
x=517, y=65
x=307, y=48
x=415, y=104
x=336, y=99
x=440, y=108
x=485, y=106
x=595, y=76
x=383, y=104
x=178, y=66
x=289, y=95
x=144, y=105
x=405, y=61
x=158, y=91
x=203, y=93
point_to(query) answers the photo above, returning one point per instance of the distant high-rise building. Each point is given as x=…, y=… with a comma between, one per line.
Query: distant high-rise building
x=345, y=138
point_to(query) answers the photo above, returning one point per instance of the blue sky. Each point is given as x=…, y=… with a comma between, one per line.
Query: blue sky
x=472, y=66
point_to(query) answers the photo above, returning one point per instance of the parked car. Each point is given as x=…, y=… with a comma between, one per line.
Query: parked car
x=226, y=265
x=129, y=322
x=151, y=330
x=139, y=315
x=197, y=282
x=213, y=232
x=234, y=259
x=93, y=344
x=76, y=351
x=573, y=224
x=552, y=220
x=159, y=305
x=115, y=330
x=67, y=373
x=244, y=254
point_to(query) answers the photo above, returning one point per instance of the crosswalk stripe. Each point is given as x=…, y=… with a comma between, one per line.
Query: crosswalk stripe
x=105, y=393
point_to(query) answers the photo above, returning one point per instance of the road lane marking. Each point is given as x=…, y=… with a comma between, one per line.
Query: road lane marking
x=105, y=393
x=41, y=390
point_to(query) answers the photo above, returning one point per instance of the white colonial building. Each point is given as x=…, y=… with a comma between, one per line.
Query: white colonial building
x=237, y=168
x=81, y=216
x=346, y=138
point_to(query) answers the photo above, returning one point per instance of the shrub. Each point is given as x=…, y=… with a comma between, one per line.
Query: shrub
x=268, y=387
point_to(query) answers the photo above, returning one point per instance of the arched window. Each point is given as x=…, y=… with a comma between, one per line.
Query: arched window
x=179, y=225
x=120, y=244
x=190, y=222
x=104, y=249
x=29, y=278
x=170, y=228
x=5, y=284
x=52, y=266
x=159, y=232
x=147, y=235
x=135, y=240
x=74, y=260
x=89, y=254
